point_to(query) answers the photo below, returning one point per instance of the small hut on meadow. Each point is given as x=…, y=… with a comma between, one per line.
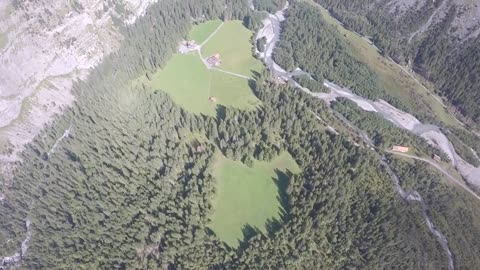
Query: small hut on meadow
x=214, y=60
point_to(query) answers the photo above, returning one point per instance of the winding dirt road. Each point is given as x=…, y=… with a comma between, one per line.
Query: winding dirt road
x=439, y=168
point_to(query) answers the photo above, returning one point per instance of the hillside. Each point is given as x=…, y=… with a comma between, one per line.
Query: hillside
x=191, y=145
x=44, y=47
x=437, y=39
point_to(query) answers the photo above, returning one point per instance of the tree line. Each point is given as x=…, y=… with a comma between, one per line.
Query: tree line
x=131, y=186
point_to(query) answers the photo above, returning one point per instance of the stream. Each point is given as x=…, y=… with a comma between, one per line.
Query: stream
x=15, y=259
x=271, y=31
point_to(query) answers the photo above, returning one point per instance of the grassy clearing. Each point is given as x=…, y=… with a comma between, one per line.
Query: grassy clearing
x=393, y=79
x=232, y=91
x=190, y=84
x=200, y=32
x=233, y=43
x=187, y=81
x=247, y=195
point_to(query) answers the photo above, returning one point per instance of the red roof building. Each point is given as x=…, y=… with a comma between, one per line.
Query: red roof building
x=401, y=149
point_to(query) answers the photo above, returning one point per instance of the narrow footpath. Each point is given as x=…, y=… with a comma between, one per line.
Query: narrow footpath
x=199, y=50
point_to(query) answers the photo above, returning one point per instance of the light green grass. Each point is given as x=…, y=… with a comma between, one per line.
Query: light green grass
x=246, y=195
x=187, y=81
x=190, y=84
x=200, y=32
x=393, y=79
x=233, y=44
x=232, y=91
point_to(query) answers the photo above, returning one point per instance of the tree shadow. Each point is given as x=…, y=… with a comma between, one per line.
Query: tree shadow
x=253, y=85
x=256, y=74
x=248, y=232
x=221, y=111
x=273, y=225
x=282, y=181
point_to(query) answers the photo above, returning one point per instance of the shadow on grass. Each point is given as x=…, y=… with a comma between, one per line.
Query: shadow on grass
x=256, y=74
x=282, y=181
x=252, y=83
x=248, y=232
x=272, y=225
x=221, y=112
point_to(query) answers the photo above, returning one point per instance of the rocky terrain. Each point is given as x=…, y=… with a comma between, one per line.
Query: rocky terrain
x=44, y=47
x=465, y=23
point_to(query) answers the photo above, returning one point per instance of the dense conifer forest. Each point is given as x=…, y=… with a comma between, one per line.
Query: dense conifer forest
x=128, y=188
x=271, y=6
x=451, y=212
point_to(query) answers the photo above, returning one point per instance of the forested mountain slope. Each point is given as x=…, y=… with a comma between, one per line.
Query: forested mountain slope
x=438, y=38
x=310, y=43
x=123, y=180
x=126, y=191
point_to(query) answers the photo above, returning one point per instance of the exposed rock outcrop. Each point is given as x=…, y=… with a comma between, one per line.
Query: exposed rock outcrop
x=44, y=46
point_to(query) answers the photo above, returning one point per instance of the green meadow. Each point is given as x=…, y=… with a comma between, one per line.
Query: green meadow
x=233, y=44
x=200, y=32
x=232, y=91
x=187, y=81
x=190, y=83
x=248, y=196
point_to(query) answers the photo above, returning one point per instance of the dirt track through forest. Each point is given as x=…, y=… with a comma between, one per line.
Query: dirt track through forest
x=369, y=106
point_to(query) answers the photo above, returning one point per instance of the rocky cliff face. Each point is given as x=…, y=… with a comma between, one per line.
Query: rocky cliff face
x=414, y=17
x=464, y=24
x=44, y=46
